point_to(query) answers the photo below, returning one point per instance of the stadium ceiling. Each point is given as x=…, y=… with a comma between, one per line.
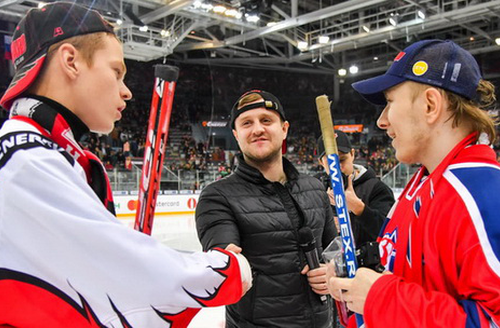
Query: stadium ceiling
x=316, y=36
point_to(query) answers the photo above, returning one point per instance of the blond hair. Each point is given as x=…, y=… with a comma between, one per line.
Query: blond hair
x=249, y=98
x=471, y=112
x=86, y=44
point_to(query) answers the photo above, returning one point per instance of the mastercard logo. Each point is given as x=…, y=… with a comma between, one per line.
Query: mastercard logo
x=191, y=203
x=132, y=205
x=419, y=68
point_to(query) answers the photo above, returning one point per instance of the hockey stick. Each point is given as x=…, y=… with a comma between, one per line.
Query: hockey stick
x=349, y=248
x=156, y=140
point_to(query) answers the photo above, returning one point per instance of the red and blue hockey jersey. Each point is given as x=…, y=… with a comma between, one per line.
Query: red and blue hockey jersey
x=442, y=242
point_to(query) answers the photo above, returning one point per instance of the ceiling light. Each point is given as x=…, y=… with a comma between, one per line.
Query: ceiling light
x=421, y=13
x=119, y=22
x=375, y=58
x=342, y=72
x=393, y=19
x=197, y=4
x=238, y=15
x=252, y=18
x=271, y=23
x=497, y=41
x=366, y=28
x=324, y=39
x=219, y=9
x=143, y=28
x=206, y=6
x=471, y=38
x=231, y=12
x=302, y=45
x=353, y=69
x=164, y=33
x=41, y=5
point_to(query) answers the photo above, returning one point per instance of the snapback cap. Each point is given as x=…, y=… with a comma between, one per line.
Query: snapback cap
x=37, y=31
x=439, y=63
x=269, y=101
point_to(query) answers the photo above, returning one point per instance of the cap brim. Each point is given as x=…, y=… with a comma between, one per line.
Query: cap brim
x=344, y=149
x=23, y=78
x=373, y=89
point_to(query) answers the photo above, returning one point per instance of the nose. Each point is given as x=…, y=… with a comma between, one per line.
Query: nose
x=258, y=128
x=125, y=92
x=382, y=121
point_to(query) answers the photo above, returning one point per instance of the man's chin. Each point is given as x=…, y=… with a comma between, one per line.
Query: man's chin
x=263, y=157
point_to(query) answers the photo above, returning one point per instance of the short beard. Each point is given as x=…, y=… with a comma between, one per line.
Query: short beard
x=268, y=159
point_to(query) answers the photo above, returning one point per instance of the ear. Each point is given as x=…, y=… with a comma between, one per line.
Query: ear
x=434, y=101
x=235, y=134
x=285, y=127
x=69, y=60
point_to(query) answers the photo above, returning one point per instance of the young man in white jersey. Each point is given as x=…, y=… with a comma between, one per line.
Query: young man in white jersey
x=65, y=260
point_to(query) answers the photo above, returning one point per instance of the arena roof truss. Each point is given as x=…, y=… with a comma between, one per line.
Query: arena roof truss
x=299, y=35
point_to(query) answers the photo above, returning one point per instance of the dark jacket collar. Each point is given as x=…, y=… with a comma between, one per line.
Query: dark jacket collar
x=253, y=175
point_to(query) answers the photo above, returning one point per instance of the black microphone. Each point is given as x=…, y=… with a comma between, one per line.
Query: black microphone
x=308, y=245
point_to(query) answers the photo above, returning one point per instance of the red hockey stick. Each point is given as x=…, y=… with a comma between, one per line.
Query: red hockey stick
x=156, y=140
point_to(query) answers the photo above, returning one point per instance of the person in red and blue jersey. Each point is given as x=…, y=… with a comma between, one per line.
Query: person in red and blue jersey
x=440, y=244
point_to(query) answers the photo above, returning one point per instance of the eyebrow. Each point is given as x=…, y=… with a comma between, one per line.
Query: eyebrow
x=122, y=67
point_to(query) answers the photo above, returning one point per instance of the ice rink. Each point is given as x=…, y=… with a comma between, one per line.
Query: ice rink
x=179, y=232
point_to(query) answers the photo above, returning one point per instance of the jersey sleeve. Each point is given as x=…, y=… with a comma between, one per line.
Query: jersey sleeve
x=392, y=302
x=55, y=230
x=461, y=280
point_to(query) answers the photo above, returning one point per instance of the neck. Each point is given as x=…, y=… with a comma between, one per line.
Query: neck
x=272, y=170
x=446, y=139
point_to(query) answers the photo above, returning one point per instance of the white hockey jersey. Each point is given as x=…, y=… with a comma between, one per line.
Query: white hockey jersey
x=65, y=261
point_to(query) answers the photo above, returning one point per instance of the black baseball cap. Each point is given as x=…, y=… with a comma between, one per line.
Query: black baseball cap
x=439, y=63
x=269, y=101
x=343, y=143
x=37, y=31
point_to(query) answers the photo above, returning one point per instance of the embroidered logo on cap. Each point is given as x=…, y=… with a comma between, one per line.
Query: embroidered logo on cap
x=58, y=31
x=399, y=56
x=18, y=47
x=419, y=68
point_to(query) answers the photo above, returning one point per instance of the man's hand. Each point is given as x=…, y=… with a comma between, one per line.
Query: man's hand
x=354, y=203
x=331, y=196
x=317, y=279
x=332, y=202
x=246, y=272
x=353, y=291
x=233, y=248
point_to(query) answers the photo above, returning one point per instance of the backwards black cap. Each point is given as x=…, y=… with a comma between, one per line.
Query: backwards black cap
x=269, y=101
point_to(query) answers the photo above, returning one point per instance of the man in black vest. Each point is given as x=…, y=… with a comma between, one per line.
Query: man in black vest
x=263, y=207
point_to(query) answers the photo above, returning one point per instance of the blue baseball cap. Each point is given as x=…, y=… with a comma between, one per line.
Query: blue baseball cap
x=439, y=63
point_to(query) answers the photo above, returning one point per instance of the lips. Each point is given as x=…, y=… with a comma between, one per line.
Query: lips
x=259, y=140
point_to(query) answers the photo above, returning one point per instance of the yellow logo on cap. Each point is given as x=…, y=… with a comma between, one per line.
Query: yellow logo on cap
x=419, y=68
